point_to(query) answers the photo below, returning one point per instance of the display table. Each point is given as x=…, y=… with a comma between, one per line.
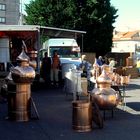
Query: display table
x=132, y=71
x=122, y=90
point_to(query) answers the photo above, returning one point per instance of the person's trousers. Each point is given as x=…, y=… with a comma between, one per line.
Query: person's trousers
x=54, y=75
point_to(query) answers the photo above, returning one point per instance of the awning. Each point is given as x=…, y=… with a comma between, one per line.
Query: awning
x=31, y=33
x=25, y=31
x=59, y=32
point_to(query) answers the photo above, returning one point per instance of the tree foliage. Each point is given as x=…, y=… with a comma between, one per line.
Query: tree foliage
x=94, y=16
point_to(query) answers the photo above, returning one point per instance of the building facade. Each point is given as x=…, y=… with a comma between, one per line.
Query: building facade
x=127, y=42
x=10, y=12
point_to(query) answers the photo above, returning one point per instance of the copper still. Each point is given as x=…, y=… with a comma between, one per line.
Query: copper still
x=33, y=57
x=105, y=96
x=23, y=73
x=20, y=102
x=107, y=68
x=96, y=69
x=33, y=54
x=124, y=80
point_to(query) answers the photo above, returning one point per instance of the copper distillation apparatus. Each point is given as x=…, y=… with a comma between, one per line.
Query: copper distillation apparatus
x=103, y=95
x=20, y=101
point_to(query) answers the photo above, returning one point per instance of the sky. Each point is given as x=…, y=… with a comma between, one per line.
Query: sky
x=128, y=14
x=128, y=11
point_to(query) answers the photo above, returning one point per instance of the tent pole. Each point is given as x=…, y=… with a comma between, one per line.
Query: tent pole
x=82, y=43
x=38, y=48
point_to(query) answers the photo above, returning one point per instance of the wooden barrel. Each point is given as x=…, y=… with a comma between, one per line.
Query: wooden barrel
x=19, y=103
x=82, y=116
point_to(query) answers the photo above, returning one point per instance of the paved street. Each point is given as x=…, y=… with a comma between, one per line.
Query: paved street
x=55, y=121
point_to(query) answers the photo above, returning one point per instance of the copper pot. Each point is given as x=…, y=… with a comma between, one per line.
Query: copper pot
x=107, y=68
x=33, y=64
x=105, y=96
x=124, y=80
x=33, y=54
x=23, y=73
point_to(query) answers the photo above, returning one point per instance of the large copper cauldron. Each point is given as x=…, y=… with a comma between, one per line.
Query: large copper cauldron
x=19, y=103
x=104, y=96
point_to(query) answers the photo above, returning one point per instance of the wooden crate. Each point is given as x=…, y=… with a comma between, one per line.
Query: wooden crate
x=133, y=72
x=120, y=71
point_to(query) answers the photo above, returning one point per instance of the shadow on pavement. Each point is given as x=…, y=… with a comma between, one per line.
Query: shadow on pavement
x=55, y=122
x=134, y=105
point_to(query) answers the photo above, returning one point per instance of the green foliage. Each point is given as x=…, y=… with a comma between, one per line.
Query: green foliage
x=94, y=16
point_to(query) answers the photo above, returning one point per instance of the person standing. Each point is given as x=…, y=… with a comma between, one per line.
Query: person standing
x=138, y=64
x=55, y=67
x=46, y=68
x=112, y=63
x=86, y=68
x=100, y=61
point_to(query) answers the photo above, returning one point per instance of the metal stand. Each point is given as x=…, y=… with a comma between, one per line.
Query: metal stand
x=124, y=95
x=122, y=91
x=112, y=112
x=35, y=109
x=97, y=116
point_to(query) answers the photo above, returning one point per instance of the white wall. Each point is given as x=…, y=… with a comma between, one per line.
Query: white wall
x=125, y=46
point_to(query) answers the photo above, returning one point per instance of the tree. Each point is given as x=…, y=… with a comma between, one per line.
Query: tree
x=56, y=13
x=101, y=15
x=94, y=16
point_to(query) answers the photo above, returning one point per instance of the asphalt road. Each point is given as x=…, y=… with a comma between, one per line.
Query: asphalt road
x=55, y=118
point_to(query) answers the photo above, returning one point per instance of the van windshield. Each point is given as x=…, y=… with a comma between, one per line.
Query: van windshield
x=65, y=52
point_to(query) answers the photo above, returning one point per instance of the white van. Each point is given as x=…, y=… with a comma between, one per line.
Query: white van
x=68, y=51
x=67, y=48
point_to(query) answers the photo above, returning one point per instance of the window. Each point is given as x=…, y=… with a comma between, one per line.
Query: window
x=2, y=19
x=65, y=52
x=2, y=7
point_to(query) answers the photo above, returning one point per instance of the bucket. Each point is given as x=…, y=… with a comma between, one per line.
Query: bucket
x=82, y=116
